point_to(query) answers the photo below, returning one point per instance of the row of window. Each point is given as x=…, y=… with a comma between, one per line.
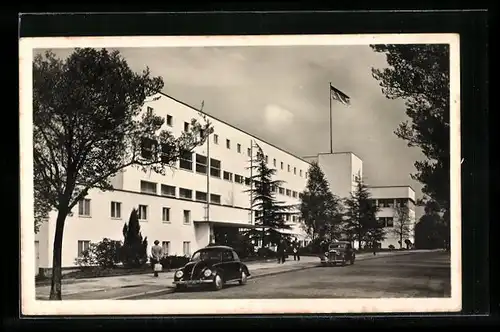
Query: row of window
x=391, y=202
x=186, y=247
x=166, y=190
x=287, y=217
x=169, y=121
x=249, y=154
x=142, y=212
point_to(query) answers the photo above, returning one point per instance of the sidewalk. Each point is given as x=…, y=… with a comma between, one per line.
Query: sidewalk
x=131, y=285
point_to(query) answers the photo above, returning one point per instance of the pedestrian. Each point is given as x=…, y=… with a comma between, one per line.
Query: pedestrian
x=296, y=248
x=156, y=256
x=279, y=247
x=283, y=251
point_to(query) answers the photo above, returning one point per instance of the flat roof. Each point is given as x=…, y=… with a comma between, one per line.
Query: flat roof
x=232, y=126
x=397, y=186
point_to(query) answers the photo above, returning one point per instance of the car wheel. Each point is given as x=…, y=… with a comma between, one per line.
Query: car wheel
x=218, y=282
x=243, y=278
x=352, y=261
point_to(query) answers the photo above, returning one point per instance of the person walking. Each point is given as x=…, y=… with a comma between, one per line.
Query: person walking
x=156, y=256
x=296, y=248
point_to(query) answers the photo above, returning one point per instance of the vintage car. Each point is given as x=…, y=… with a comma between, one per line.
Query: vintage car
x=338, y=252
x=213, y=266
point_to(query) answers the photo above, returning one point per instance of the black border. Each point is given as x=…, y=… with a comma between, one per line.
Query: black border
x=472, y=27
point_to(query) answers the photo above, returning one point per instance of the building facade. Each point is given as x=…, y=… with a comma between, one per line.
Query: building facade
x=206, y=190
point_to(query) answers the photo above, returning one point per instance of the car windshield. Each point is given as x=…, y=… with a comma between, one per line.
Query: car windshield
x=207, y=254
x=338, y=246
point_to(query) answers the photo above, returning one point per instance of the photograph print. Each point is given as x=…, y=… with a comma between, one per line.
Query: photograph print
x=277, y=174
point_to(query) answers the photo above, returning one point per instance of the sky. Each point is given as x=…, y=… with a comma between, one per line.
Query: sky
x=281, y=95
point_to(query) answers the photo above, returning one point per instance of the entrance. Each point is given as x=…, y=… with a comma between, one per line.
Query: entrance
x=226, y=236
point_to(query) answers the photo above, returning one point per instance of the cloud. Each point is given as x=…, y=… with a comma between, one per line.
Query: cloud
x=276, y=116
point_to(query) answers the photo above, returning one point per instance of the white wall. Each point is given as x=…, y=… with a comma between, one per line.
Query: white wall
x=338, y=172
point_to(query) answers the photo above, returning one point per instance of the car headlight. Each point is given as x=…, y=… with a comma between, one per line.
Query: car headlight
x=207, y=273
x=179, y=274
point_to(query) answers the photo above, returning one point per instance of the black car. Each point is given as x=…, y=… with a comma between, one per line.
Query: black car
x=338, y=252
x=213, y=266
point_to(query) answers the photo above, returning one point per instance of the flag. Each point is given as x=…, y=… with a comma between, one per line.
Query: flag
x=339, y=96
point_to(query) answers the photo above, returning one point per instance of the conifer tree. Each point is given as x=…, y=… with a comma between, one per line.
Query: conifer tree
x=320, y=209
x=134, y=250
x=270, y=212
x=360, y=222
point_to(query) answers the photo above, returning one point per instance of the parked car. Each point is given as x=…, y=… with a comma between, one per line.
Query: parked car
x=338, y=252
x=214, y=266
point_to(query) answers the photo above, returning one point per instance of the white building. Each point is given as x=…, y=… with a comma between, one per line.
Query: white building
x=341, y=170
x=173, y=209
x=205, y=192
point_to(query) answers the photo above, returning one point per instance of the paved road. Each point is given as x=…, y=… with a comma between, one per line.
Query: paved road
x=415, y=275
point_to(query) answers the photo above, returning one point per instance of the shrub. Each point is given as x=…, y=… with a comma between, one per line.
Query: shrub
x=103, y=254
x=266, y=253
x=391, y=247
x=174, y=262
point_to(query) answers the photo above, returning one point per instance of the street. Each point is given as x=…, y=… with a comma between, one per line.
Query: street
x=413, y=275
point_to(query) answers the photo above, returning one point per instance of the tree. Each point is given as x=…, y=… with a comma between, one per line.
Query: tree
x=402, y=225
x=89, y=124
x=319, y=208
x=360, y=221
x=134, y=249
x=432, y=231
x=419, y=74
x=270, y=212
x=375, y=233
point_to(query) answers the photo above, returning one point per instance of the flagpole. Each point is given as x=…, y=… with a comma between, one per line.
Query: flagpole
x=331, y=130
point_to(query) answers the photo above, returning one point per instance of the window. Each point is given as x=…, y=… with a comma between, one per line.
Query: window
x=116, y=210
x=287, y=217
x=147, y=148
x=389, y=222
x=169, y=120
x=201, y=196
x=402, y=202
x=186, y=126
x=238, y=148
x=84, y=207
x=300, y=172
x=165, y=214
x=227, y=256
x=281, y=164
x=386, y=203
x=249, y=152
x=185, y=193
x=248, y=182
x=294, y=194
x=186, y=160
x=288, y=168
x=201, y=164
x=148, y=187
x=166, y=149
x=228, y=144
x=295, y=170
x=294, y=218
x=215, y=198
x=186, y=248
x=239, y=178
x=281, y=190
x=149, y=109
x=187, y=217
x=288, y=192
x=167, y=190
x=228, y=176
x=305, y=175
x=166, y=247
x=142, y=212
x=215, y=167
x=274, y=162
x=82, y=246
x=267, y=159
x=216, y=139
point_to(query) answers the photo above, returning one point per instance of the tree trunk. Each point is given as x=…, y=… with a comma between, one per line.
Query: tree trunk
x=401, y=239
x=55, y=287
